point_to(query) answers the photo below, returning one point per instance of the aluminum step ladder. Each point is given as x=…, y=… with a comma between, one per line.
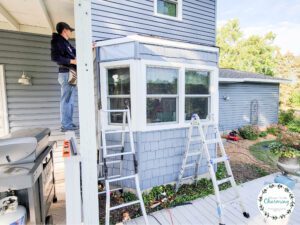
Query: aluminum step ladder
x=106, y=158
x=204, y=143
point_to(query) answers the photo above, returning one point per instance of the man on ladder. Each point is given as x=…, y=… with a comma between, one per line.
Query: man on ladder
x=201, y=139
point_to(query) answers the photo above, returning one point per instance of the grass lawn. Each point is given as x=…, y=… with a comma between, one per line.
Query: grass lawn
x=261, y=152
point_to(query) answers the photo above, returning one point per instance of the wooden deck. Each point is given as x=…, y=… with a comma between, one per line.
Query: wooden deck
x=203, y=211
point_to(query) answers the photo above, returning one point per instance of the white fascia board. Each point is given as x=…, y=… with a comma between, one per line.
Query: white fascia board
x=156, y=41
x=241, y=80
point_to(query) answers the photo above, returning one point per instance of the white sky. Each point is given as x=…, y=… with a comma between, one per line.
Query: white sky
x=282, y=17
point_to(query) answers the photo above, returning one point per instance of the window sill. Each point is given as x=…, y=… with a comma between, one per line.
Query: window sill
x=178, y=18
x=156, y=127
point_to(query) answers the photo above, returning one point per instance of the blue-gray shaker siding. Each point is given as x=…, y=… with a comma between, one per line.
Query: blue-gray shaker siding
x=235, y=112
x=159, y=156
x=119, y=18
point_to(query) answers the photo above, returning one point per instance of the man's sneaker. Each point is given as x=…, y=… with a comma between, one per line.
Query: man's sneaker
x=63, y=129
x=75, y=126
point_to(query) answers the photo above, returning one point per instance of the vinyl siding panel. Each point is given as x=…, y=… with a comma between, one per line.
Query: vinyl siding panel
x=119, y=18
x=235, y=112
x=36, y=105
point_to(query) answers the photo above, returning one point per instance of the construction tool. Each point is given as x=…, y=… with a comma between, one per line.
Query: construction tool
x=203, y=130
x=114, y=155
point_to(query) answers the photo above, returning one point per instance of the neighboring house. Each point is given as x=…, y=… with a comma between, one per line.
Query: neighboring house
x=161, y=56
x=247, y=98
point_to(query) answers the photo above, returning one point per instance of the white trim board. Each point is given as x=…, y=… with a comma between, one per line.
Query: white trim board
x=156, y=41
x=87, y=110
x=3, y=102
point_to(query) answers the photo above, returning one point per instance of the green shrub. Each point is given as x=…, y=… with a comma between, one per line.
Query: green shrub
x=280, y=149
x=249, y=132
x=263, y=134
x=295, y=98
x=294, y=126
x=274, y=130
x=286, y=117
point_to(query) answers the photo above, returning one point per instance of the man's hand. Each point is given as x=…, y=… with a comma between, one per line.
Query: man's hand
x=73, y=61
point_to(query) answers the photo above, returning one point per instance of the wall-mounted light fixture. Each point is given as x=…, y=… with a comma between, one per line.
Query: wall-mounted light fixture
x=25, y=79
x=226, y=98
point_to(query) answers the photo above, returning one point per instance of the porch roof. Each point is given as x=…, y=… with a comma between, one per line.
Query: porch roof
x=35, y=16
x=236, y=76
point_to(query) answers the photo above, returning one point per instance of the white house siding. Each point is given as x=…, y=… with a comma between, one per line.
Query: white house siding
x=36, y=105
x=119, y=18
x=235, y=112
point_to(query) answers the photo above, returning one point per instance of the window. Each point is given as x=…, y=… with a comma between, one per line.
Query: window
x=197, y=95
x=168, y=8
x=118, y=81
x=162, y=94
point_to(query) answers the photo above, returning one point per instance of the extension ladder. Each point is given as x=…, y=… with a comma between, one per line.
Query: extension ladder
x=118, y=151
x=201, y=139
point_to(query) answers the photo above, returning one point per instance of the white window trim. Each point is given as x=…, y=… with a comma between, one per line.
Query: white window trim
x=214, y=94
x=4, y=100
x=176, y=96
x=116, y=96
x=199, y=95
x=104, y=86
x=179, y=11
x=138, y=92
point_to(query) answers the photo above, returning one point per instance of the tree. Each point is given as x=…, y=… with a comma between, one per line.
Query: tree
x=253, y=54
x=288, y=67
x=258, y=54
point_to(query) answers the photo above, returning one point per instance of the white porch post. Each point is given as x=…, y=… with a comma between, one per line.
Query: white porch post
x=86, y=99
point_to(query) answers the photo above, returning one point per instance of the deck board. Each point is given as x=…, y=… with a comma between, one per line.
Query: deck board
x=203, y=211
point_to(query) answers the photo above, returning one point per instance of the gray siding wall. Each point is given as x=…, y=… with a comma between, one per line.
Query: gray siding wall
x=119, y=18
x=159, y=155
x=235, y=112
x=36, y=105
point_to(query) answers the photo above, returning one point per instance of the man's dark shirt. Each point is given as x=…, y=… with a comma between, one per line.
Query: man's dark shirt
x=62, y=52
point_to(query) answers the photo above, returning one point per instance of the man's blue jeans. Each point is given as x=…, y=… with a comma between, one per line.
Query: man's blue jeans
x=66, y=101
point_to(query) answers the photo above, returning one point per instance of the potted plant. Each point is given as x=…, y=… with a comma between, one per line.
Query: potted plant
x=287, y=148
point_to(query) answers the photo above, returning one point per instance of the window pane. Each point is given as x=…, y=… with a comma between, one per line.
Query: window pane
x=162, y=80
x=167, y=8
x=118, y=81
x=196, y=105
x=117, y=103
x=161, y=110
x=196, y=82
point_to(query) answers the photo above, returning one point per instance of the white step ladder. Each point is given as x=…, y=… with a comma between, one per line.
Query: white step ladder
x=118, y=151
x=203, y=129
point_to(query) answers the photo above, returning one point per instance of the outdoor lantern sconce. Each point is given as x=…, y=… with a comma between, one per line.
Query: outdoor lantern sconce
x=24, y=79
x=226, y=98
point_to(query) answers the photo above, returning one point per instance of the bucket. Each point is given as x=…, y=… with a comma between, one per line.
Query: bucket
x=17, y=217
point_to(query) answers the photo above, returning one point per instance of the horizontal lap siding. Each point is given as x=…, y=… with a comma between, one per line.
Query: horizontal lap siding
x=36, y=105
x=119, y=18
x=235, y=112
